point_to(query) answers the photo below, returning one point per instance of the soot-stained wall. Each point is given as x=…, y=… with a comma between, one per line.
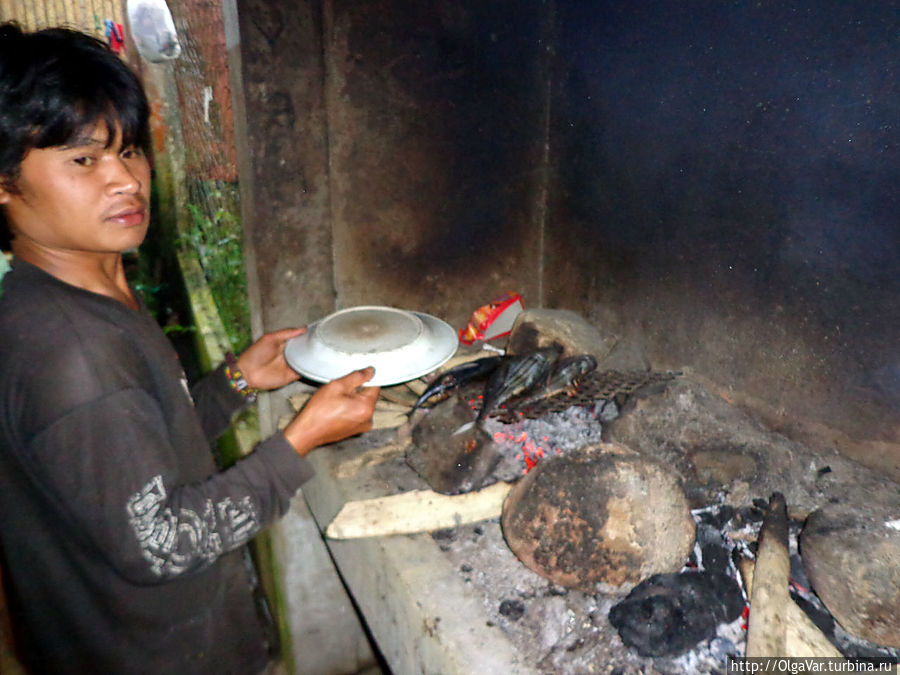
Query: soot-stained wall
x=436, y=129
x=725, y=189
x=714, y=181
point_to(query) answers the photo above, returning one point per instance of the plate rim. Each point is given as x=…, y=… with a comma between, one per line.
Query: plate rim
x=434, y=325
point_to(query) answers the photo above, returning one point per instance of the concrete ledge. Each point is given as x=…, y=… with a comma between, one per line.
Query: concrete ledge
x=424, y=618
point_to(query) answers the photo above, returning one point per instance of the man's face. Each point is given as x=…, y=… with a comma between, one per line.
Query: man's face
x=82, y=197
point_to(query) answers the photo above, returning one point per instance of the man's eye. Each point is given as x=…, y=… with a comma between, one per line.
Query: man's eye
x=132, y=153
x=84, y=161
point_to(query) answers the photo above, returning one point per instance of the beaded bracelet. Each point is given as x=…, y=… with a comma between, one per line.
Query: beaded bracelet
x=236, y=378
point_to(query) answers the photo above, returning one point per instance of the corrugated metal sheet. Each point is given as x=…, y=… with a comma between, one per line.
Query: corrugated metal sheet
x=87, y=15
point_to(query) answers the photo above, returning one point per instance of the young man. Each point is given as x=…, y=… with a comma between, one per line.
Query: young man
x=120, y=541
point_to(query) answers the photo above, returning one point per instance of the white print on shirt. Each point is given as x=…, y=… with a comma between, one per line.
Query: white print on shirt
x=173, y=542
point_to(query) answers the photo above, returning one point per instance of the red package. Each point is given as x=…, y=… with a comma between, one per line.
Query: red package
x=492, y=320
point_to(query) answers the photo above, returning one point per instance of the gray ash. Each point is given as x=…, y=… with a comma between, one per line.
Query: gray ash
x=525, y=442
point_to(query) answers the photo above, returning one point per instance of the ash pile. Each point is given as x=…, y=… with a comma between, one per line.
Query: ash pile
x=631, y=534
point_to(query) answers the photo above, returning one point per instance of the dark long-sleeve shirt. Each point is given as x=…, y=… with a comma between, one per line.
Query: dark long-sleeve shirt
x=118, y=535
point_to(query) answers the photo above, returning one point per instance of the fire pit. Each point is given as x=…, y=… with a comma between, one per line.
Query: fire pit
x=710, y=630
x=525, y=585
x=512, y=439
x=467, y=602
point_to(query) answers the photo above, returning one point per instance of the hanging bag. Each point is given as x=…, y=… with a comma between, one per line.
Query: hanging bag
x=153, y=30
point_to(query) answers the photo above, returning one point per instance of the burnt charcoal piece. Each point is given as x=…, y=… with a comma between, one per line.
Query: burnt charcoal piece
x=444, y=538
x=668, y=614
x=716, y=556
x=718, y=517
x=446, y=534
x=512, y=609
x=818, y=614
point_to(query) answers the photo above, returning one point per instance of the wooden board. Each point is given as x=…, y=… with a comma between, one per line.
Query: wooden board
x=416, y=511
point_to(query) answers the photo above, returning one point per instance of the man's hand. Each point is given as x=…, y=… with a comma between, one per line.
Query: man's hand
x=262, y=364
x=338, y=410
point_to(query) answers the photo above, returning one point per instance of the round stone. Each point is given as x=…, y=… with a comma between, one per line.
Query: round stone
x=599, y=517
x=851, y=556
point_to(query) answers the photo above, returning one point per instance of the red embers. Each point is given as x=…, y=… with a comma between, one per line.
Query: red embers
x=531, y=452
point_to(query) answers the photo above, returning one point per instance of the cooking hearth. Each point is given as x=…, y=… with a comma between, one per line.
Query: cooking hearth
x=563, y=631
x=727, y=464
x=662, y=486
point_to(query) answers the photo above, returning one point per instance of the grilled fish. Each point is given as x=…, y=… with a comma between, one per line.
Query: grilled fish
x=456, y=377
x=516, y=376
x=564, y=378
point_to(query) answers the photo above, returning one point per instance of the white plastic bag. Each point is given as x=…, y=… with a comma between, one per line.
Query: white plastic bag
x=153, y=30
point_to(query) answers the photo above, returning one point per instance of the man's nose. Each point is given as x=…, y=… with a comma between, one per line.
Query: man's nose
x=123, y=177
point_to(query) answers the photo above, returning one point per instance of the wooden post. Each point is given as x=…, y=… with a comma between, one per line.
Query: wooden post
x=770, y=596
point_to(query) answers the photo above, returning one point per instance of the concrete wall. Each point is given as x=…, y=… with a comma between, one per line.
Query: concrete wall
x=437, y=121
x=724, y=191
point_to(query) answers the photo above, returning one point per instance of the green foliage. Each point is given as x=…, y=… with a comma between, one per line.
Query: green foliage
x=152, y=268
x=216, y=238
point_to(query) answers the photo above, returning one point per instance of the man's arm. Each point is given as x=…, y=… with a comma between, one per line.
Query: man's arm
x=113, y=476
x=261, y=366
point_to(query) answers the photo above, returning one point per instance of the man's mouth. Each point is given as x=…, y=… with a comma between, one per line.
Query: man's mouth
x=129, y=217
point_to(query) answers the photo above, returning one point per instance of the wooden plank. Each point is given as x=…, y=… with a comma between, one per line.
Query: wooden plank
x=351, y=467
x=777, y=626
x=416, y=511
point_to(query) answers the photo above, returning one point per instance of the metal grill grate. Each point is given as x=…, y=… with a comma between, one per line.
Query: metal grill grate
x=608, y=385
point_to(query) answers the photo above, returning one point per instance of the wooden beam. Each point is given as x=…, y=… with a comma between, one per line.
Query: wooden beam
x=777, y=626
x=416, y=511
x=802, y=637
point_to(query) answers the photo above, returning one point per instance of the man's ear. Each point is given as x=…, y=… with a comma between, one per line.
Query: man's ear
x=4, y=193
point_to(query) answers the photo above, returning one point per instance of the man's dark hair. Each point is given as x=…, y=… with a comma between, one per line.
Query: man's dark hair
x=55, y=83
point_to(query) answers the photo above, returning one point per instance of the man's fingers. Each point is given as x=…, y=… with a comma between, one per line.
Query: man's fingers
x=370, y=393
x=355, y=382
x=286, y=334
x=358, y=378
